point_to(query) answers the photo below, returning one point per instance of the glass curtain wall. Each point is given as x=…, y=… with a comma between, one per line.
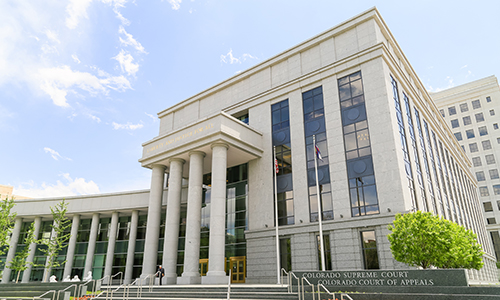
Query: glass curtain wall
x=360, y=172
x=314, y=124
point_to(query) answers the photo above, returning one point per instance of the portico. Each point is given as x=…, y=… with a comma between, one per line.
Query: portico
x=207, y=146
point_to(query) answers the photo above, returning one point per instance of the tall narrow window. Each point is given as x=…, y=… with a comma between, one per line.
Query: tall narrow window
x=404, y=145
x=360, y=172
x=369, y=247
x=434, y=171
x=426, y=162
x=314, y=124
x=415, y=151
x=328, y=254
x=281, y=142
x=285, y=254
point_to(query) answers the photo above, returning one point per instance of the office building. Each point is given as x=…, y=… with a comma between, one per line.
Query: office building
x=384, y=150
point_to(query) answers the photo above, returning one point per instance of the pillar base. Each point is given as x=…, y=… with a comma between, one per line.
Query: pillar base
x=189, y=279
x=169, y=280
x=215, y=278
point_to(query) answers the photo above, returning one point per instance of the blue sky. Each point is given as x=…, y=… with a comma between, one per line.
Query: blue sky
x=81, y=81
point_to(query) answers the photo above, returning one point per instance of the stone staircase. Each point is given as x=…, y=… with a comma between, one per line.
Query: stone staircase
x=33, y=289
x=238, y=291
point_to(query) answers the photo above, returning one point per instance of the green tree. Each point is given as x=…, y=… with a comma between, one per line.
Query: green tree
x=59, y=237
x=7, y=217
x=18, y=263
x=423, y=240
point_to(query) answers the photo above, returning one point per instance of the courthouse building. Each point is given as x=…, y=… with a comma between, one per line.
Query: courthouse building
x=385, y=150
x=472, y=111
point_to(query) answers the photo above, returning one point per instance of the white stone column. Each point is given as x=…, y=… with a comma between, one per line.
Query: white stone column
x=216, y=257
x=191, y=274
x=31, y=256
x=172, y=221
x=110, y=254
x=71, y=247
x=12, y=249
x=153, y=223
x=94, y=226
x=129, y=265
x=47, y=272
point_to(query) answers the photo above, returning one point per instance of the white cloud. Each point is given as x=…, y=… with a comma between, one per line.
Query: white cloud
x=117, y=4
x=465, y=66
x=176, y=4
x=127, y=126
x=58, y=81
x=450, y=85
x=75, y=58
x=152, y=117
x=127, y=62
x=76, y=10
x=95, y=118
x=229, y=58
x=130, y=41
x=70, y=187
x=55, y=155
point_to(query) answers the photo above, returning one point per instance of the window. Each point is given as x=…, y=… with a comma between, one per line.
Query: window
x=476, y=161
x=484, y=191
x=486, y=145
x=498, y=140
x=285, y=254
x=442, y=112
x=483, y=130
x=467, y=120
x=458, y=136
x=495, y=126
x=464, y=107
x=463, y=148
x=495, y=238
x=476, y=104
x=487, y=206
x=473, y=147
x=369, y=248
x=490, y=159
x=480, y=176
x=488, y=99
x=479, y=117
x=470, y=133
x=494, y=174
x=454, y=123
x=496, y=189
x=491, y=220
x=492, y=112
x=326, y=250
x=452, y=110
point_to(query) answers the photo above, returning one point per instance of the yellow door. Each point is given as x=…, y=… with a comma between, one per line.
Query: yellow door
x=238, y=269
x=203, y=266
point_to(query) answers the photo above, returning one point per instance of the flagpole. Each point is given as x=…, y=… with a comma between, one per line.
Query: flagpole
x=276, y=216
x=320, y=211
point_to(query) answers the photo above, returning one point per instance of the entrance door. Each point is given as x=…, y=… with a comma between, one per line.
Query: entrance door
x=238, y=269
x=203, y=266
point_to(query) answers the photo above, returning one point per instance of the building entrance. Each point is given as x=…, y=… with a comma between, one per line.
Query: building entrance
x=237, y=265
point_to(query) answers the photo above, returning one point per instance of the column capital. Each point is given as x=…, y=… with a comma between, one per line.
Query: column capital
x=176, y=159
x=197, y=152
x=219, y=144
x=159, y=166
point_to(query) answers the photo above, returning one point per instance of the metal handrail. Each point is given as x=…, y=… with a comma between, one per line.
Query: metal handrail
x=121, y=277
x=58, y=292
x=319, y=291
x=290, y=283
x=51, y=291
x=123, y=297
x=310, y=284
x=94, y=286
x=229, y=286
x=342, y=296
x=283, y=271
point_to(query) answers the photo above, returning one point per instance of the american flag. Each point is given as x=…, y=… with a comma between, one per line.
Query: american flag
x=318, y=153
x=276, y=167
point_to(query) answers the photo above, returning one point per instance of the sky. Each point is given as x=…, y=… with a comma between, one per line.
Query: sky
x=82, y=81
